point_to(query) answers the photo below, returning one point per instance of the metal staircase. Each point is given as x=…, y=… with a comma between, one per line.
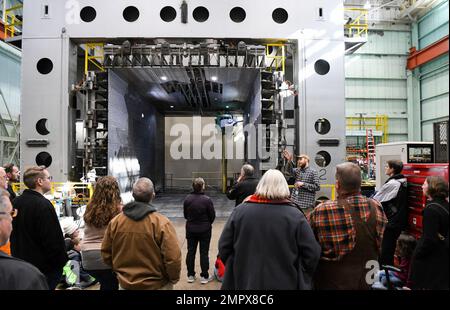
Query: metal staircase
x=269, y=100
x=95, y=125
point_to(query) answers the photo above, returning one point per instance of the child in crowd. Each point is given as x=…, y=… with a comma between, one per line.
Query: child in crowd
x=74, y=274
x=404, y=251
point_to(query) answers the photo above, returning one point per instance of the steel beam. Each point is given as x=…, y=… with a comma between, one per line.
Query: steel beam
x=418, y=58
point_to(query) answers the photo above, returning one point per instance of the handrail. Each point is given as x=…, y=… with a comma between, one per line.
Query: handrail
x=359, y=26
x=11, y=21
x=59, y=187
x=92, y=59
x=377, y=123
x=280, y=61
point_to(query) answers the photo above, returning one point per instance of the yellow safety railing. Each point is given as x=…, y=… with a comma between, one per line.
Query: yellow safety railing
x=93, y=54
x=382, y=123
x=358, y=26
x=11, y=21
x=81, y=192
x=278, y=61
x=378, y=123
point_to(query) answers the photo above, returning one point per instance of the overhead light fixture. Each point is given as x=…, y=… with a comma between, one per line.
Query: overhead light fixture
x=367, y=5
x=164, y=78
x=227, y=107
x=143, y=116
x=214, y=78
x=172, y=107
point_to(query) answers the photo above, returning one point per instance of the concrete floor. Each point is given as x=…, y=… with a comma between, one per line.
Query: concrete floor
x=171, y=205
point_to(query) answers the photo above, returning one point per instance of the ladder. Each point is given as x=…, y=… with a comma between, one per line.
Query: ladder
x=370, y=145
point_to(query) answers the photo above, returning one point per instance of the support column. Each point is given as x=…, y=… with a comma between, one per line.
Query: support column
x=413, y=95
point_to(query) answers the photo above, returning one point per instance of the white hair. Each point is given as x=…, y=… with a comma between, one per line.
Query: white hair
x=143, y=190
x=273, y=185
x=4, y=199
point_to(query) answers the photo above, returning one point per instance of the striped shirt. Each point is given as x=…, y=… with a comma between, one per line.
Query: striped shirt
x=333, y=226
x=305, y=196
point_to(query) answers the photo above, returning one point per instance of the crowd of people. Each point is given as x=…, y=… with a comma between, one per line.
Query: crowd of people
x=275, y=238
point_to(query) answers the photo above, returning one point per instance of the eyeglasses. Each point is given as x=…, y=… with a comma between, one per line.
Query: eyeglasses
x=50, y=178
x=13, y=213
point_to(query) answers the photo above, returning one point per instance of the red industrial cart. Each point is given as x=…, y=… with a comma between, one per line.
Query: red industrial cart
x=416, y=175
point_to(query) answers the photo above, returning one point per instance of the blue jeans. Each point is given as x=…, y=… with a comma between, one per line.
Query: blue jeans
x=396, y=282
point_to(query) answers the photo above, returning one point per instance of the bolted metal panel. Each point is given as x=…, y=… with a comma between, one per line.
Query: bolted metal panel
x=324, y=99
x=109, y=22
x=43, y=97
x=317, y=38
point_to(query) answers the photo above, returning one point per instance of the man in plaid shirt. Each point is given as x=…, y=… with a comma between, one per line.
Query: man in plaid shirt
x=349, y=230
x=306, y=184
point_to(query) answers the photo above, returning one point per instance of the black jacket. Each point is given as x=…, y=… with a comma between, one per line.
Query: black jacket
x=199, y=213
x=268, y=246
x=429, y=266
x=242, y=190
x=396, y=209
x=37, y=237
x=12, y=195
x=16, y=274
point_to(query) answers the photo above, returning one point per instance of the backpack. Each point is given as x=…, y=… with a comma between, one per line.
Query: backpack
x=441, y=237
x=396, y=209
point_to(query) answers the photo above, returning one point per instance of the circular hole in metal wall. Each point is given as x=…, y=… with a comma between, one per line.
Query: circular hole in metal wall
x=322, y=126
x=44, y=159
x=323, y=159
x=88, y=14
x=322, y=67
x=131, y=14
x=41, y=127
x=200, y=14
x=238, y=14
x=280, y=15
x=44, y=66
x=168, y=14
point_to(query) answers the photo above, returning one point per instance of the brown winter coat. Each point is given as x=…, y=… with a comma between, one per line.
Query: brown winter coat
x=141, y=246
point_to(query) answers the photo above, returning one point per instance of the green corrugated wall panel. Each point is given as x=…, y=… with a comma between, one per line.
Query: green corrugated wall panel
x=375, y=67
x=434, y=65
x=435, y=108
x=398, y=138
x=372, y=107
x=10, y=78
x=386, y=43
x=434, y=92
x=376, y=81
x=434, y=85
x=375, y=89
x=397, y=126
x=427, y=128
x=433, y=26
